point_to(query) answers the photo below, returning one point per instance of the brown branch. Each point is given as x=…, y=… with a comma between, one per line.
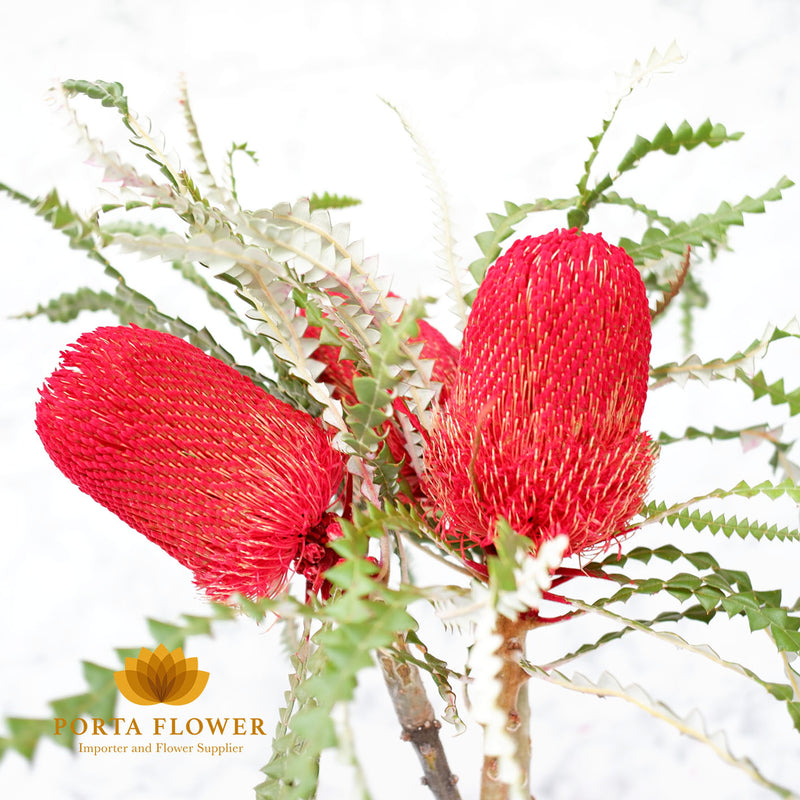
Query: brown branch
x=675, y=285
x=514, y=700
x=419, y=723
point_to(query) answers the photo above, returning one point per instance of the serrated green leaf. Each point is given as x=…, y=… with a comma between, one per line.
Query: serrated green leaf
x=69, y=305
x=794, y=711
x=502, y=228
x=26, y=733
x=702, y=521
x=786, y=640
x=668, y=142
x=716, y=434
x=70, y=708
x=103, y=697
x=782, y=692
x=653, y=216
x=668, y=553
x=776, y=392
x=704, y=230
x=111, y=95
x=195, y=142
x=326, y=200
x=665, y=141
x=366, y=617
x=171, y=636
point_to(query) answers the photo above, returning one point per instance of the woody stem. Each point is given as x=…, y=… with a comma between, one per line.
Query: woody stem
x=513, y=701
x=419, y=724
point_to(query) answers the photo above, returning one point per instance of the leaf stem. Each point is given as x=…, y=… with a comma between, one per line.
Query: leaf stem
x=675, y=285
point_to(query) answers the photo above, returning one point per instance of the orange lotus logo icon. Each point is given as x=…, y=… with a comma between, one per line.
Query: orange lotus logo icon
x=161, y=676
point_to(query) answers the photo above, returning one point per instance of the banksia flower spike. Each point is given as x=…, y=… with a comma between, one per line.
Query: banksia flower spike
x=230, y=481
x=543, y=424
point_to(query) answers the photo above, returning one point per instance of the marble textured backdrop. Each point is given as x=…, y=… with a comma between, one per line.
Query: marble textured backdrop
x=504, y=94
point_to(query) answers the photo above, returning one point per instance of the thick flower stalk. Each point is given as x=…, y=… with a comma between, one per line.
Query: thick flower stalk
x=233, y=483
x=543, y=423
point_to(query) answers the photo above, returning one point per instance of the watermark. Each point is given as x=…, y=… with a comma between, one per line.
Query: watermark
x=157, y=677
x=161, y=676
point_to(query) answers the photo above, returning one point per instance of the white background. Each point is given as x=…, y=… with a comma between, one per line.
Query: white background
x=504, y=94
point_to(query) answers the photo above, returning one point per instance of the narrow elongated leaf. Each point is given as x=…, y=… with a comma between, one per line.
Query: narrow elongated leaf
x=776, y=392
x=111, y=95
x=69, y=305
x=684, y=137
x=366, y=617
x=691, y=725
x=739, y=366
x=780, y=691
x=326, y=200
x=717, y=434
x=706, y=521
x=446, y=258
x=195, y=141
x=704, y=230
x=503, y=227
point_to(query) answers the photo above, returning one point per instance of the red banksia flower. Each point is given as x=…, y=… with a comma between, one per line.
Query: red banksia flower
x=230, y=481
x=543, y=423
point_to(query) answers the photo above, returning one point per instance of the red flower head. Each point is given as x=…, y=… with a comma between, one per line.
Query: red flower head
x=230, y=481
x=543, y=423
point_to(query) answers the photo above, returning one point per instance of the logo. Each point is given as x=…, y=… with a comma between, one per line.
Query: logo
x=161, y=676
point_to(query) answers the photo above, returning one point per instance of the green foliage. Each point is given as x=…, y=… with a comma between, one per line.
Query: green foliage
x=716, y=434
x=25, y=734
x=695, y=612
x=129, y=305
x=365, y=615
x=367, y=418
x=372, y=411
x=776, y=392
x=326, y=200
x=730, y=525
x=715, y=589
x=293, y=269
x=670, y=143
x=710, y=229
x=195, y=143
x=665, y=141
x=503, y=227
x=679, y=514
x=110, y=95
x=739, y=366
x=68, y=305
x=290, y=773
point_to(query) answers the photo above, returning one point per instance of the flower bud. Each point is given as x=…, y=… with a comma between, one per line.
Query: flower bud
x=543, y=424
x=224, y=477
